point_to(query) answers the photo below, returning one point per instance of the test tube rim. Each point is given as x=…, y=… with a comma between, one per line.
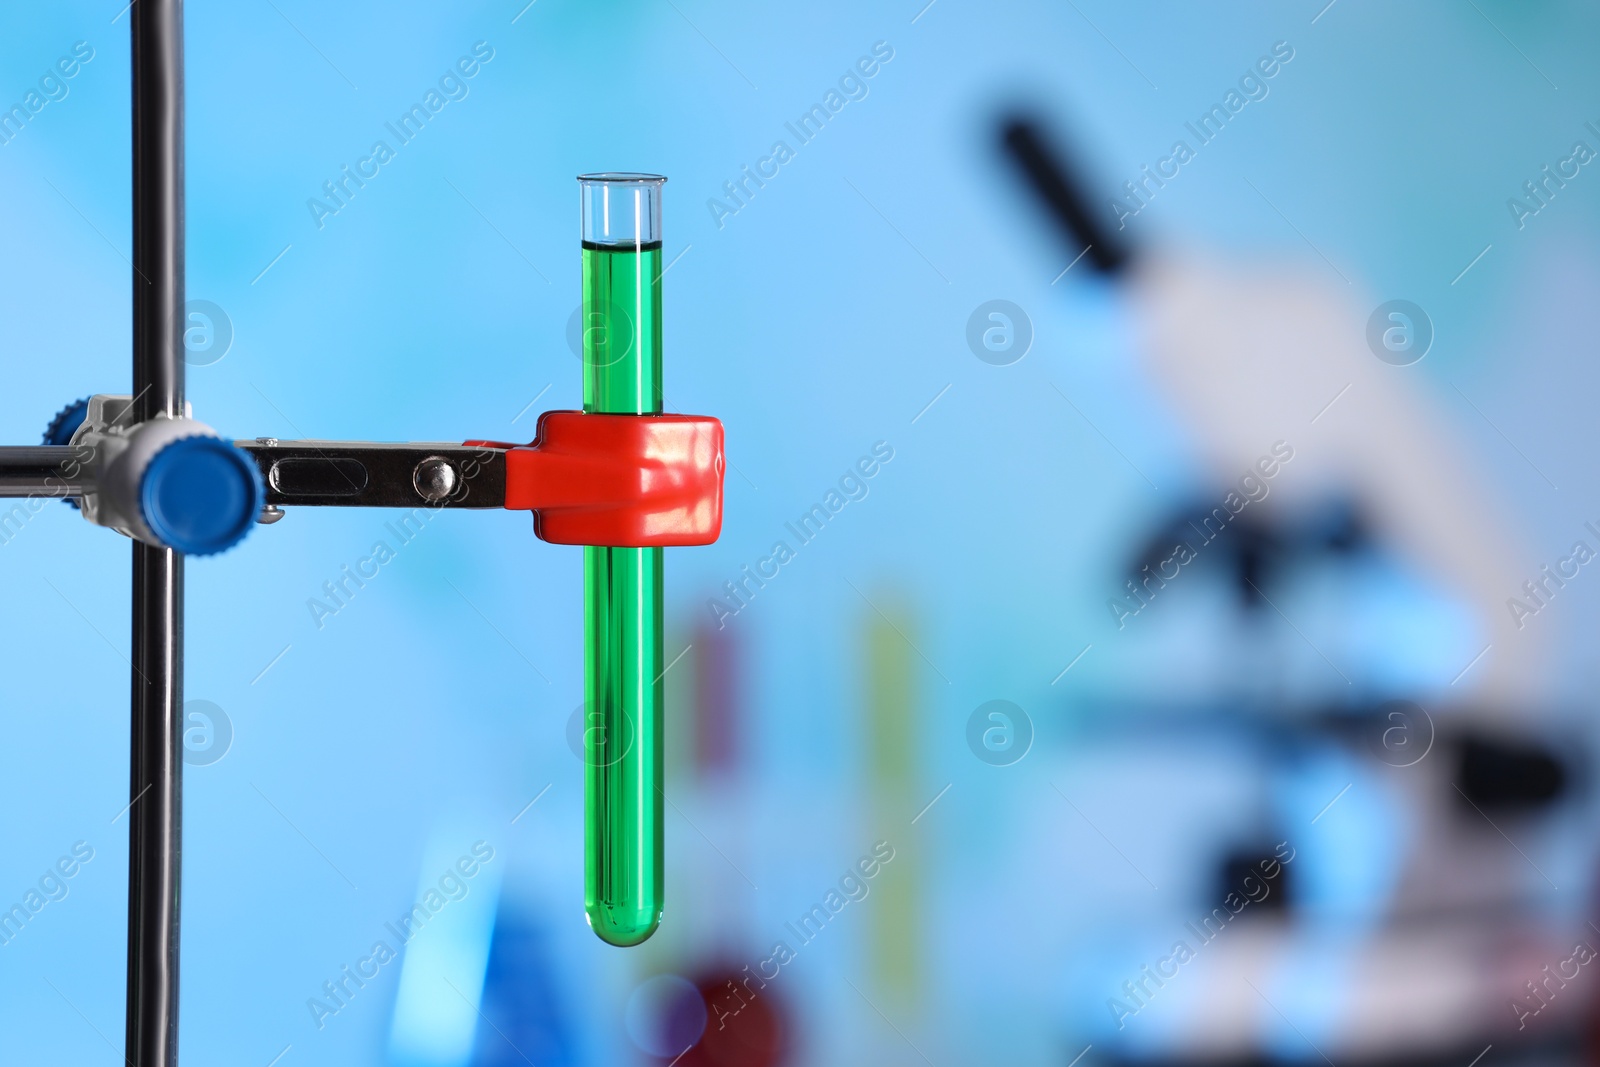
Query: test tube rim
x=623, y=178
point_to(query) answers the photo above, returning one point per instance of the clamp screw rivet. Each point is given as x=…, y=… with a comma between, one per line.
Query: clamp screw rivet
x=435, y=479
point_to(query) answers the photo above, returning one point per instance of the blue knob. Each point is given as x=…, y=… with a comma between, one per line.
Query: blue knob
x=63, y=426
x=200, y=495
x=66, y=422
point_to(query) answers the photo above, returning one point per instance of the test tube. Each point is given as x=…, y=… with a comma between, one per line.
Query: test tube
x=623, y=878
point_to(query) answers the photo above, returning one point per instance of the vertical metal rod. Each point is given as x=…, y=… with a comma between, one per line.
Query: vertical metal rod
x=155, y=784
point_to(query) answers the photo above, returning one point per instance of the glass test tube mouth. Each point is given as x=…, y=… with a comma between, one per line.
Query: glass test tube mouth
x=621, y=209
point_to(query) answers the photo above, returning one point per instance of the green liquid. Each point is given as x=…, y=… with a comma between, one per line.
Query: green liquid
x=623, y=876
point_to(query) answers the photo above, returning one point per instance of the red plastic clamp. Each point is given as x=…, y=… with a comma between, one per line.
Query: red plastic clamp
x=623, y=481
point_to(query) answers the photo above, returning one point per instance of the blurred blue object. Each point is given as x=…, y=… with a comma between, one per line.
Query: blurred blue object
x=524, y=1013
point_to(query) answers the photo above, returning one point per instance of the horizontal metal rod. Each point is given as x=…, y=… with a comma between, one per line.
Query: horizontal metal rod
x=43, y=470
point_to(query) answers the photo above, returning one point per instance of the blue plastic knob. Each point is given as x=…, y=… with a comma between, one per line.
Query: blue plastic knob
x=66, y=422
x=63, y=426
x=201, y=495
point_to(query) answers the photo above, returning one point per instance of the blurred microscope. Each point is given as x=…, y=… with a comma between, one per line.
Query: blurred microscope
x=1427, y=899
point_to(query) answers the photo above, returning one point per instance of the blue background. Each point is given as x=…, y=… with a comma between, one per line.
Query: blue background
x=820, y=319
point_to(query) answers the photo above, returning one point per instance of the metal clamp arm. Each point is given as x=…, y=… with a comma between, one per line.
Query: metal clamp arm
x=589, y=479
x=365, y=474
